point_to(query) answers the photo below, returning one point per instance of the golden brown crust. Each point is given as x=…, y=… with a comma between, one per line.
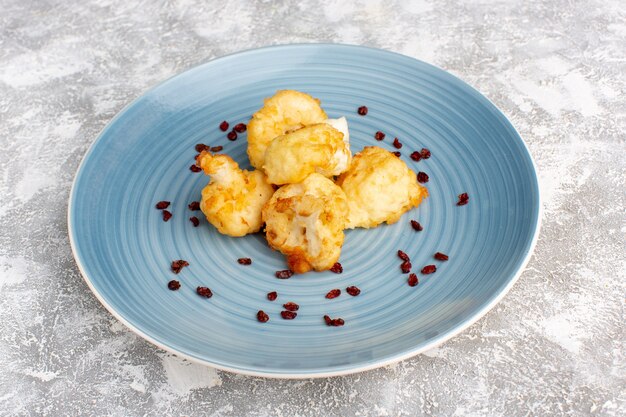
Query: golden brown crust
x=234, y=198
x=286, y=111
x=380, y=188
x=290, y=158
x=305, y=222
x=297, y=261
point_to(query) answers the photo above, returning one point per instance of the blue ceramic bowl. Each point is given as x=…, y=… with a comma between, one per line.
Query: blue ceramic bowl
x=124, y=249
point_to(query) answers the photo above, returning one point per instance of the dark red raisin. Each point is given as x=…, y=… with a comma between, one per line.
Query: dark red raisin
x=240, y=128
x=406, y=267
x=162, y=205
x=416, y=156
x=397, y=144
x=166, y=215
x=337, y=322
x=202, y=147
x=333, y=322
x=272, y=295
x=398, y=154
x=204, y=292
x=429, y=269
x=362, y=110
x=441, y=256
x=262, y=316
x=284, y=274
x=413, y=281
x=178, y=265
x=288, y=315
x=232, y=135
x=415, y=225
x=173, y=285
x=463, y=199
x=194, y=206
x=244, y=261
x=422, y=177
x=425, y=153
x=379, y=135
x=194, y=220
x=195, y=168
x=217, y=148
x=403, y=256
x=291, y=306
x=337, y=268
x=333, y=293
x=224, y=126
x=353, y=291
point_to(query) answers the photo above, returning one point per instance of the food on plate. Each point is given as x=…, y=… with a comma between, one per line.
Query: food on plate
x=429, y=269
x=178, y=265
x=333, y=322
x=441, y=256
x=305, y=222
x=325, y=190
x=416, y=226
x=286, y=111
x=379, y=188
x=334, y=293
x=337, y=268
x=204, y=292
x=321, y=148
x=161, y=205
x=353, y=291
x=307, y=188
x=262, y=316
x=283, y=274
x=234, y=198
x=288, y=315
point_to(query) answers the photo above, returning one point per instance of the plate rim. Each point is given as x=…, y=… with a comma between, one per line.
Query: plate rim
x=393, y=359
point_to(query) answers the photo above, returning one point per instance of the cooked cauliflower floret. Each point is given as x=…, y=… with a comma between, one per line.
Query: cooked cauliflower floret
x=234, y=198
x=343, y=156
x=341, y=124
x=305, y=221
x=318, y=148
x=286, y=111
x=379, y=188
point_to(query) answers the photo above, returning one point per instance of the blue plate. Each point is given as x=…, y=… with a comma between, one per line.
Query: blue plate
x=124, y=249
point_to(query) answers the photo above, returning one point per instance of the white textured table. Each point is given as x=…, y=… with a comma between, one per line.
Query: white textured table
x=554, y=346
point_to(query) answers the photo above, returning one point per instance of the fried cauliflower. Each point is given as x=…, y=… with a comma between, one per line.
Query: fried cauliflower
x=234, y=198
x=305, y=222
x=286, y=111
x=379, y=188
x=318, y=148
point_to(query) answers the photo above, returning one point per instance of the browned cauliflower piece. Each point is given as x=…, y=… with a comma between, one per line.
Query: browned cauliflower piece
x=286, y=111
x=317, y=148
x=379, y=187
x=305, y=222
x=234, y=198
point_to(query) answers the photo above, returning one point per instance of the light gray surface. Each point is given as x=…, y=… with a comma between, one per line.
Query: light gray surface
x=555, y=345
